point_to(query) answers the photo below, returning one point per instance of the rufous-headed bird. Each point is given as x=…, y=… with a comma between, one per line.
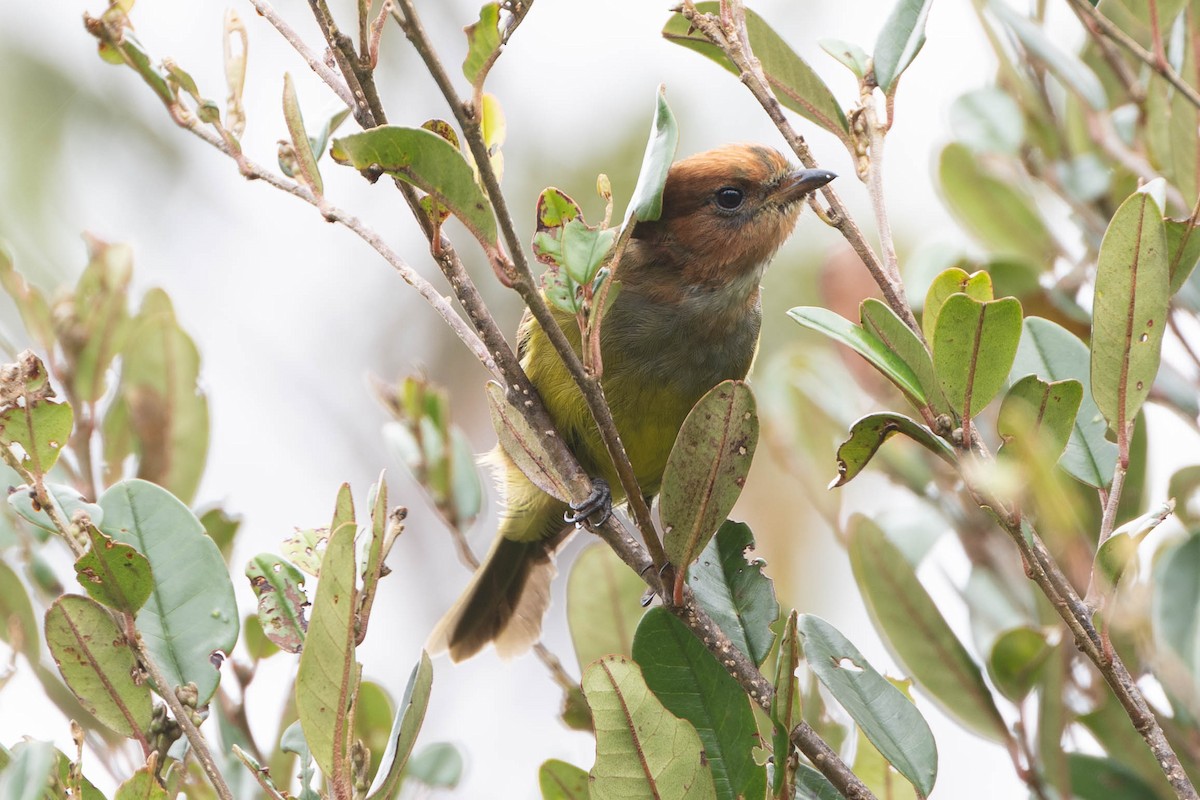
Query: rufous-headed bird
x=687, y=317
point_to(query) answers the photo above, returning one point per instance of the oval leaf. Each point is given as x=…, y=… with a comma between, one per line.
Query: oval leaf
x=868, y=434
x=732, y=588
x=887, y=718
x=191, y=612
x=693, y=686
x=917, y=634
x=1043, y=414
x=949, y=282
x=1016, y=661
x=114, y=574
x=900, y=39
x=642, y=750
x=706, y=469
x=973, y=349
x=428, y=162
x=792, y=80
x=279, y=587
x=559, y=780
x=1129, y=313
x=603, y=604
x=39, y=428
x=1055, y=354
x=96, y=662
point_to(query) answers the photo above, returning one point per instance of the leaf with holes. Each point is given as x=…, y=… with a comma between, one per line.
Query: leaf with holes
x=643, y=751
x=973, y=349
x=39, y=428
x=97, y=663
x=887, y=718
x=1129, y=313
x=868, y=434
x=114, y=574
x=279, y=587
x=792, y=80
x=917, y=634
x=706, y=471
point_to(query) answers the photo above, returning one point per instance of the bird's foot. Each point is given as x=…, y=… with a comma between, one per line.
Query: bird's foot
x=598, y=502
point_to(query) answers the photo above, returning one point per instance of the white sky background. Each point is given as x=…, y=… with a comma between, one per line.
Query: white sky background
x=291, y=314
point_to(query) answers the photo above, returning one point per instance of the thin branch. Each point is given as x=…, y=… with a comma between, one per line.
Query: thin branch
x=1110, y=29
x=315, y=62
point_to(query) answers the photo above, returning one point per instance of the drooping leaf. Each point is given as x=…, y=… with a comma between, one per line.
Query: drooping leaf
x=114, y=574
x=97, y=663
x=917, y=634
x=603, y=604
x=191, y=611
x=973, y=349
x=1055, y=354
x=327, y=676
x=792, y=80
x=690, y=683
x=523, y=444
x=428, y=162
x=642, y=750
x=900, y=39
x=409, y=716
x=885, y=715
x=878, y=319
x=645, y=204
x=559, y=780
x=1129, y=313
x=706, y=470
x=864, y=343
x=279, y=587
x=731, y=587
x=868, y=434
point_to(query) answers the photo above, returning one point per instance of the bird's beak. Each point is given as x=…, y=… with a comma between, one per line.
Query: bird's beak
x=799, y=183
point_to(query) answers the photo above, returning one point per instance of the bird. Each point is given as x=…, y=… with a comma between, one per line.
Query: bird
x=686, y=317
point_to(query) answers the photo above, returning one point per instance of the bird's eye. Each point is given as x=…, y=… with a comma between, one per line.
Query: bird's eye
x=729, y=198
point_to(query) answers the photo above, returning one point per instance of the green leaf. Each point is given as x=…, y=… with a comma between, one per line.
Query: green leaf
x=1183, y=248
x=732, y=588
x=255, y=638
x=114, y=574
x=1095, y=778
x=306, y=160
x=996, y=213
x=67, y=501
x=988, y=120
x=645, y=204
x=222, y=528
x=603, y=604
x=555, y=208
x=169, y=413
x=874, y=770
x=95, y=324
x=706, y=470
x=786, y=708
x=1055, y=354
x=430, y=163
x=869, y=433
x=20, y=628
x=40, y=428
x=1184, y=489
x=1175, y=606
x=306, y=548
x=642, y=750
x=1065, y=66
x=865, y=344
x=900, y=39
x=585, y=249
x=950, y=282
x=1129, y=313
x=812, y=785
x=292, y=741
x=523, y=444
x=31, y=303
x=327, y=677
x=887, y=718
x=483, y=44
x=142, y=785
x=279, y=587
x=27, y=775
x=409, y=716
x=438, y=766
x=792, y=80
x=559, y=780
x=879, y=320
x=973, y=349
x=191, y=612
x=1040, y=413
x=694, y=687
x=917, y=634
x=97, y=663
x=373, y=715
x=853, y=57
x=1016, y=661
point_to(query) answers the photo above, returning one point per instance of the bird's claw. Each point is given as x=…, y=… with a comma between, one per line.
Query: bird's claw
x=599, y=501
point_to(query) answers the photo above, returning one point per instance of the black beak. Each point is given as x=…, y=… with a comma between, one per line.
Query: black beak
x=798, y=184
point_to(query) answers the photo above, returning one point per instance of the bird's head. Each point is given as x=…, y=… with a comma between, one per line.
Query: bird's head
x=724, y=214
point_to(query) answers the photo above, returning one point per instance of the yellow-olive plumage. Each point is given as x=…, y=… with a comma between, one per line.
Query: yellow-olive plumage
x=687, y=317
